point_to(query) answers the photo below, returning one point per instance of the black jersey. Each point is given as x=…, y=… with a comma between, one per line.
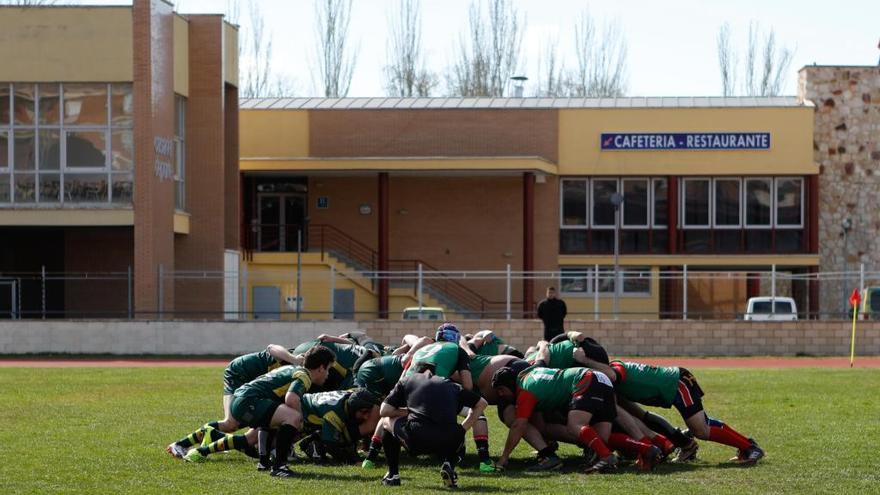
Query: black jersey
x=431, y=398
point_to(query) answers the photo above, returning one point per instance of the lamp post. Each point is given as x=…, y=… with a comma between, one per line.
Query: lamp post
x=617, y=201
x=846, y=225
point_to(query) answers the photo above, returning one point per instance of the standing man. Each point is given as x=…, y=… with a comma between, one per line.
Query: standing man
x=552, y=312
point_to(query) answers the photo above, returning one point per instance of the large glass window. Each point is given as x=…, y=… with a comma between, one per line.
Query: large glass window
x=574, y=202
x=180, y=152
x=603, y=209
x=661, y=209
x=66, y=143
x=635, y=203
x=759, y=200
x=789, y=202
x=727, y=210
x=696, y=195
x=583, y=280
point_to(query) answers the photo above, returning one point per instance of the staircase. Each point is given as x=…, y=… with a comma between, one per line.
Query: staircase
x=453, y=296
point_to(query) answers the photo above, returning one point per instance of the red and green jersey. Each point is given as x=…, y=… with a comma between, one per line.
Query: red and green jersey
x=561, y=355
x=275, y=384
x=445, y=356
x=479, y=364
x=492, y=344
x=379, y=375
x=546, y=389
x=649, y=385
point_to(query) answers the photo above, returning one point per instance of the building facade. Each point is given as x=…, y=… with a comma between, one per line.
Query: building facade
x=370, y=186
x=118, y=155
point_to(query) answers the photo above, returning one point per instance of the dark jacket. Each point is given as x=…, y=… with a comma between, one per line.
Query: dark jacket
x=552, y=312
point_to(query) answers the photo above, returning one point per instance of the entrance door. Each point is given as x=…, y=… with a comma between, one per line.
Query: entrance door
x=267, y=302
x=343, y=304
x=8, y=305
x=281, y=217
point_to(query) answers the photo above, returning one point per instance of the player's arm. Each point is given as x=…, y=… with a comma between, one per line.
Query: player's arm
x=334, y=339
x=292, y=400
x=581, y=357
x=525, y=404
x=463, y=366
x=543, y=356
x=474, y=414
x=394, y=405
x=463, y=344
x=576, y=337
x=417, y=344
x=282, y=355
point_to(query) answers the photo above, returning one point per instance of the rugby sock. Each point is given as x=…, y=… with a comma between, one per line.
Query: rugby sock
x=625, y=443
x=196, y=437
x=546, y=452
x=662, y=443
x=392, y=453
x=660, y=425
x=589, y=438
x=263, y=446
x=375, y=446
x=228, y=442
x=283, y=441
x=728, y=436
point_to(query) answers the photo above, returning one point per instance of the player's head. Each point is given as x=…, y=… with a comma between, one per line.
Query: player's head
x=357, y=336
x=551, y=292
x=363, y=405
x=426, y=368
x=447, y=332
x=504, y=382
x=318, y=361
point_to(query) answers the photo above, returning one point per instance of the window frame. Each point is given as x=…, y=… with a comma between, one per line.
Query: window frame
x=751, y=226
x=592, y=196
x=740, y=210
x=649, y=199
x=653, y=203
x=682, y=214
x=775, y=212
x=589, y=277
x=562, y=182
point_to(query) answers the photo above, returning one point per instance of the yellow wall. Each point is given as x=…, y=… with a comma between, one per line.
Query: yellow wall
x=67, y=217
x=273, y=133
x=181, y=56
x=791, y=141
x=230, y=55
x=66, y=44
x=638, y=307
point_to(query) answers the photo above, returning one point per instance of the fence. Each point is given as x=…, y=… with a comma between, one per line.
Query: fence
x=322, y=292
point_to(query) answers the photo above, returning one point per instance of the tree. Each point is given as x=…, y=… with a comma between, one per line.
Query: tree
x=257, y=50
x=490, y=54
x=406, y=73
x=601, y=60
x=335, y=59
x=551, y=81
x=765, y=67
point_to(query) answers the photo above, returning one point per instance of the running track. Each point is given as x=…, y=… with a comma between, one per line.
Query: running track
x=721, y=362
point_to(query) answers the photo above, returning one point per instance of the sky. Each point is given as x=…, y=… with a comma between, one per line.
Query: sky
x=671, y=44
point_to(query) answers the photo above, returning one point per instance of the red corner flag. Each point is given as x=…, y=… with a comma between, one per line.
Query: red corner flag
x=855, y=298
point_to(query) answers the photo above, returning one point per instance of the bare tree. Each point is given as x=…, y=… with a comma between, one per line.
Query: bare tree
x=601, y=60
x=765, y=68
x=490, y=54
x=335, y=59
x=257, y=49
x=726, y=61
x=406, y=73
x=551, y=81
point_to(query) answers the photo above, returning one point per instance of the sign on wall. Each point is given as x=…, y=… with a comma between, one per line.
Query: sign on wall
x=612, y=141
x=323, y=202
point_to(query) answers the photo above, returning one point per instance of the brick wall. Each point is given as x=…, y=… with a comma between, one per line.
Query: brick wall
x=359, y=133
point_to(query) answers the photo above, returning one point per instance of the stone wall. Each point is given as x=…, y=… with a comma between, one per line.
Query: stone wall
x=846, y=147
x=632, y=338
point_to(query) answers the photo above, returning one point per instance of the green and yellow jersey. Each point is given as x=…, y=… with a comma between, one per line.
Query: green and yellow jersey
x=277, y=383
x=341, y=376
x=328, y=413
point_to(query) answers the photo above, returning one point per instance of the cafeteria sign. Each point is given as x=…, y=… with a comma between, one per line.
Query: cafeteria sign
x=685, y=141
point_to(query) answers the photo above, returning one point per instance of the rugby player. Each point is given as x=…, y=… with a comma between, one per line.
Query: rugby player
x=588, y=395
x=671, y=386
x=240, y=370
x=343, y=370
x=337, y=420
x=421, y=413
x=486, y=343
x=273, y=400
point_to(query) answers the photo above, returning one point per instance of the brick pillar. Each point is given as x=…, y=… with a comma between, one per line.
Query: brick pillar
x=383, y=244
x=528, y=243
x=153, y=63
x=672, y=213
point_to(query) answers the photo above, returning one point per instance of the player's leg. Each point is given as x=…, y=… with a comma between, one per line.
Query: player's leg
x=208, y=432
x=288, y=422
x=663, y=428
x=375, y=446
x=393, y=432
x=689, y=403
x=481, y=441
x=546, y=453
x=634, y=442
x=592, y=438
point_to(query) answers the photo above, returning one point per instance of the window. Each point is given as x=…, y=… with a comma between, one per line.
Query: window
x=789, y=203
x=727, y=199
x=696, y=199
x=179, y=152
x=582, y=280
x=574, y=203
x=603, y=209
x=661, y=211
x=759, y=199
x=635, y=203
x=66, y=143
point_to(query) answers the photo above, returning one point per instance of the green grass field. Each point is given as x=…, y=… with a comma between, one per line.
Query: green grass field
x=103, y=430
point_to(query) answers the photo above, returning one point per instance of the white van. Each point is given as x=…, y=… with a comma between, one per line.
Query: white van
x=759, y=309
x=425, y=313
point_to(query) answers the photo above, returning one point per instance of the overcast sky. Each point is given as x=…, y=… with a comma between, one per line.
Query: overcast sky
x=671, y=43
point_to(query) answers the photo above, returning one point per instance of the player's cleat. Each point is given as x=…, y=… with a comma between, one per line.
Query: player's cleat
x=488, y=467
x=604, y=466
x=447, y=474
x=461, y=453
x=389, y=480
x=688, y=452
x=750, y=456
x=264, y=465
x=649, y=459
x=176, y=450
x=368, y=464
x=590, y=457
x=282, y=472
x=548, y=463
x=194, y=456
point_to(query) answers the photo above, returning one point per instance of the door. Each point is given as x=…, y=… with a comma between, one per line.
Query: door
x=343, y=304
x=267, y=302
x=8, y=305
x=281, y=217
